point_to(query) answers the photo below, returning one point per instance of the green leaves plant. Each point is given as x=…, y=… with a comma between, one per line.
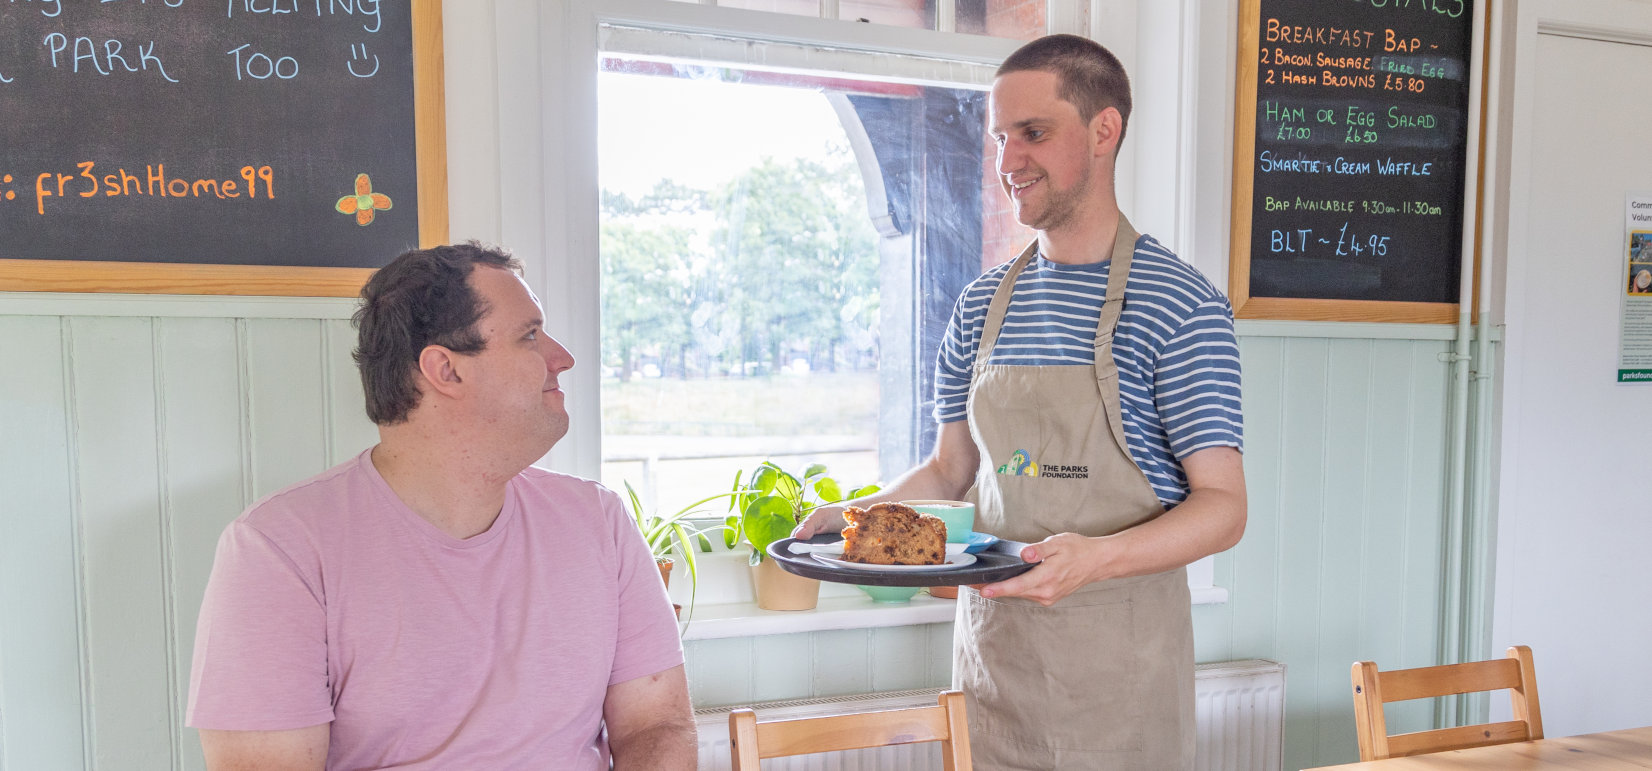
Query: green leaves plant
x=827, y=491
x=768, y=519
x=775, y=502
x=665, y=533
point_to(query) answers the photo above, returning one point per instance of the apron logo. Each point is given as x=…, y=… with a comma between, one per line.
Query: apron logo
x=1022, y=465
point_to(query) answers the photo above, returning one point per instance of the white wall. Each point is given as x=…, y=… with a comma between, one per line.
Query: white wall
x=1574, y=522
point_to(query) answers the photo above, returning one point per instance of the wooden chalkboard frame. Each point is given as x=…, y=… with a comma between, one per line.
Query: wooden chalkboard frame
x=1244, y=169
x=430, y=132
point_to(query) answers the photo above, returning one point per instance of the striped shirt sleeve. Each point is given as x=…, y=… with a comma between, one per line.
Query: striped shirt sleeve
x=1197, y=384
x=956, y=357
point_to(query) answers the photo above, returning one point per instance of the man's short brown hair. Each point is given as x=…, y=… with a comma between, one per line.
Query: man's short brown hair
x=1092, y=79
x=422, y=298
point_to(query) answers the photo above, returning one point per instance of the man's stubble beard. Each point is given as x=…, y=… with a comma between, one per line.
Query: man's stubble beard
x=1061, y=206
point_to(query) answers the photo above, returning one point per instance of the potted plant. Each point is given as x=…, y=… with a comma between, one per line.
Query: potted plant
x=767, y=507
x=667, y=533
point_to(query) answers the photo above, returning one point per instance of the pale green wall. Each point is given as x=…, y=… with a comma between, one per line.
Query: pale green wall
x=1345, y=468
x=127, y=442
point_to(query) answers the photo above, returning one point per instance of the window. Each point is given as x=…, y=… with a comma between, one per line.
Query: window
x=1016, y=19
x=780, y=254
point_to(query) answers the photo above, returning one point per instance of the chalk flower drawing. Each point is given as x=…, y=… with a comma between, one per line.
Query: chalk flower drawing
x=364, y=202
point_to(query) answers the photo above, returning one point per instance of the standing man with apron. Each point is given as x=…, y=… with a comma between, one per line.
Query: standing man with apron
x=1088, y=400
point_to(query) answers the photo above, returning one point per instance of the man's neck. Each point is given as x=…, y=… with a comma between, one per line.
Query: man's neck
x=1085, y=238
x=442, y=482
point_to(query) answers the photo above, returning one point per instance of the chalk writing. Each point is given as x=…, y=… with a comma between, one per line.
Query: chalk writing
x=362, y=56
x=368, y=9
x=90, y=181
x=260, y=66
x=102, y=59
x=1449, y=8
x=51, y=9
x=1358, y=148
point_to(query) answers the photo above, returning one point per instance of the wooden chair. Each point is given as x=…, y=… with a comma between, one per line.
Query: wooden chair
x=752, y=741
x=1372, y=689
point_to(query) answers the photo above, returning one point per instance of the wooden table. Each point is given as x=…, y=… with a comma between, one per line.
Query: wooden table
x=1626, y=749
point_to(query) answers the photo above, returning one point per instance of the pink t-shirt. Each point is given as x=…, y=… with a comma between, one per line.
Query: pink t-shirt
x=331, y=601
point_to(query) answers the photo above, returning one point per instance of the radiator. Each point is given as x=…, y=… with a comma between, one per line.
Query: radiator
x=1239, y=706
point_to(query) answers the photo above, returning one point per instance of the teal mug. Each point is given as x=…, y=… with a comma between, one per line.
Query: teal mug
x=959, y=517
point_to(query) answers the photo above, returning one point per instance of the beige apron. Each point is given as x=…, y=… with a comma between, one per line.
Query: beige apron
x=1104, y=678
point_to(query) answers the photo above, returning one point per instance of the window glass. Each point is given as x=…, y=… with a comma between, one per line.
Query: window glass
x=896, y=13
x=794, y=7
x=780, y=253
x=1015, y=19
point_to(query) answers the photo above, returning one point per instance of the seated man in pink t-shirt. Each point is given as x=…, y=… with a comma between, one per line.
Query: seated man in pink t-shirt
x=435, y=602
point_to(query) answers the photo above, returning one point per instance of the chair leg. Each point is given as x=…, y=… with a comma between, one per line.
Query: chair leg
x=1525, y=697
x=955, y=748
x=742, y=734
x=1369, y=721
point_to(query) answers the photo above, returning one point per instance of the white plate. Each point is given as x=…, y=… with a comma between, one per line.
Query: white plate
x=952, y=561
x=835, y=548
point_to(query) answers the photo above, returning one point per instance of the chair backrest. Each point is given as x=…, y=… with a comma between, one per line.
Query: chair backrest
x=945, y=723
x=1372, y=689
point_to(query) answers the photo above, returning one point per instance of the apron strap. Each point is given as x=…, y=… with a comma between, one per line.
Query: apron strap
x=1107, y=370
x=1124, y=247
x=1000, y=305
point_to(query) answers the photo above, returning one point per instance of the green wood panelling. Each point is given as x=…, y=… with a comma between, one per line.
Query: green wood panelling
x=285, y=402
x=1345, y=469
x=42, y=699
x=117, y=482
x=205, y=474
x=349, y=431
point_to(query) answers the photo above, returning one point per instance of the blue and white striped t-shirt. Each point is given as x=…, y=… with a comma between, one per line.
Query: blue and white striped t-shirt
x=1177, y=356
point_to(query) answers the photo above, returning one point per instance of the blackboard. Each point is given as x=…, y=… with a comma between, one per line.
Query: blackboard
x=1351, y=137
x=232, y=146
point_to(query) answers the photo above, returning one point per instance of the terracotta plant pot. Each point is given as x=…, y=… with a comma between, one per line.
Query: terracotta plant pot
x=664, y=564
x=779, y=590
x=944, y=592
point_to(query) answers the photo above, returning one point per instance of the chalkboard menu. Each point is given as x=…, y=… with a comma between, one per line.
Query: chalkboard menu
x=231, y=146
x=1349, y=162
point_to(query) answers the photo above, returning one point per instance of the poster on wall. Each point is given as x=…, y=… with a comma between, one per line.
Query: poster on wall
x=1635, y=318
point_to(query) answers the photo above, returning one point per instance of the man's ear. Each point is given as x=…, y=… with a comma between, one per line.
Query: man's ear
x=1105, y=129
x=439, y=368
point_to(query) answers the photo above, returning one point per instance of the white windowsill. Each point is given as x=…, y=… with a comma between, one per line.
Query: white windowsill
x=745, y=619
x=726, y=607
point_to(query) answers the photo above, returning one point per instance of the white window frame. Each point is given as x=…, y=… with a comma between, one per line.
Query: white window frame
x=569, y=174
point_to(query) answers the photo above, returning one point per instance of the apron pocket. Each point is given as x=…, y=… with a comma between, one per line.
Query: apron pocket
x=1064, y=677
x=1035, y=508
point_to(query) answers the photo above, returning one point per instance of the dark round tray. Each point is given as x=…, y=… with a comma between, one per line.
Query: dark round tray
x=989, y=566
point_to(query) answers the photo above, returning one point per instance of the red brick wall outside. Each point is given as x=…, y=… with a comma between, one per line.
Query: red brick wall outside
x=793, y=7
x=1016, y=19
x=1002, y=237
x=897, y=13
